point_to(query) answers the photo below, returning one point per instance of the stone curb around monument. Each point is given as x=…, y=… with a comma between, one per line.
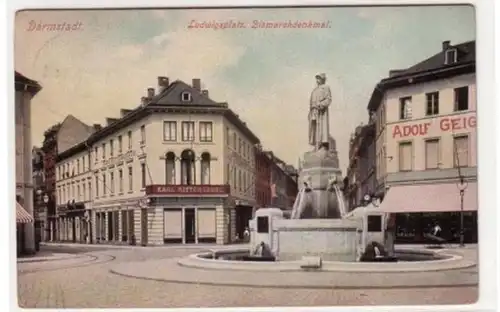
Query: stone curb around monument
x=282, y=279
x=453, y=262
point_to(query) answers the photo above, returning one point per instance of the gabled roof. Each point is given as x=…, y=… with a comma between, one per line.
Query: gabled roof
x=432, y=68
x=466, y=53
x=173, y=93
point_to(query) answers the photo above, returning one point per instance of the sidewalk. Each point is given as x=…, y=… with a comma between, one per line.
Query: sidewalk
x=173, y=246
x=46, y=256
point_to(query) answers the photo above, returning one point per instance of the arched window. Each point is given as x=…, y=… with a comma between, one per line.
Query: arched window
x=205, y=168
x=187, y=167
x=170, y=168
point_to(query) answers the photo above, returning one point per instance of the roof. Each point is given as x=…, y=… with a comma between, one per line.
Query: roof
x=169, y=100
x=430, y=69
x=23, y=83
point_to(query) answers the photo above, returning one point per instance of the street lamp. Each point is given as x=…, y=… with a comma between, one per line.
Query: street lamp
x=462, y=186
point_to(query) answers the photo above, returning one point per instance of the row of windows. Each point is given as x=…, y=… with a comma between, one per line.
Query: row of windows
x=103, y=151
x=432, y=154
x=240, y=180
x=170, y=130
x=461, y=103
x=238, y=144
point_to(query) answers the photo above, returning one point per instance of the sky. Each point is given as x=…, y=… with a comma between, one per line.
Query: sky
x=265, y=75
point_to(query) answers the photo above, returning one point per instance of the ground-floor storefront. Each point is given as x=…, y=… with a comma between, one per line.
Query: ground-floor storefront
x=72, y=224
x=419, y=208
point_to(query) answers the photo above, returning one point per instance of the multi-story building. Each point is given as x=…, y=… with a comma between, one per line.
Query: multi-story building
x=176, y=169
x=426, y=142
x=276, y=182
x=57, y=139
x=26, y=89
x=361, y=169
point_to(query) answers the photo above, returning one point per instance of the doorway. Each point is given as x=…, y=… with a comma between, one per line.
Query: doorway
x=189, y=225
x=144, y=227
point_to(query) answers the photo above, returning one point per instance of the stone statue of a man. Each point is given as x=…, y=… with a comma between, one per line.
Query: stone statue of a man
x=321, y=98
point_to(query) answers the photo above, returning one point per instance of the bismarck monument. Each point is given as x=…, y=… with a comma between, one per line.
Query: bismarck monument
x=316, y=229
x=319, y=194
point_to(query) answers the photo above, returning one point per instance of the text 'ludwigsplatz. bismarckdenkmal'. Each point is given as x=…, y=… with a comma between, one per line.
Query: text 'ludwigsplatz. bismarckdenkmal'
x=259, y=24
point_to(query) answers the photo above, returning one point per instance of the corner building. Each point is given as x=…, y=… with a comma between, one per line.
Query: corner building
x=176, y=169
x=426, y=144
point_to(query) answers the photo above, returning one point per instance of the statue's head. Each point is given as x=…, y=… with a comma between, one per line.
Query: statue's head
x=320, y=79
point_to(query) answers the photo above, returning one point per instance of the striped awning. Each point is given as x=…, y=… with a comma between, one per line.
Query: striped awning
x=22, y=216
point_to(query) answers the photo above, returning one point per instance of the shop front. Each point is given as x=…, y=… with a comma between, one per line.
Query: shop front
x=72, y=223
x=188, y=214
x=420, y=207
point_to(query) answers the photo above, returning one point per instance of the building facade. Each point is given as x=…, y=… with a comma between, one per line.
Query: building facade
x=39, y=212
x=361, y=172
x=176, y=169
x=426, y=143
x=25, y=90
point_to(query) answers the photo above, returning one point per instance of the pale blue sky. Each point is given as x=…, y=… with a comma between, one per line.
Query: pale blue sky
x=265, y=75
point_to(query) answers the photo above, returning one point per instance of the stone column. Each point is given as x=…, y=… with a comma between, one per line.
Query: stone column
x=177, y=164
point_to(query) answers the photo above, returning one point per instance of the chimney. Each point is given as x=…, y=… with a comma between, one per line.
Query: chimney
x=97, y=127
x=144, y=100
x=151, y=93
x=204, y=92
x=197, y=84
x=446, y=45
x=162, y=84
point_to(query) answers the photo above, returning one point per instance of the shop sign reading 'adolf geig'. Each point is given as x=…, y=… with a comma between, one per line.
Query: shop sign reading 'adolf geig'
x=445, y=124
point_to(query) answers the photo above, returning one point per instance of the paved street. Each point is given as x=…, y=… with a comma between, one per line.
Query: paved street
x=86, y=282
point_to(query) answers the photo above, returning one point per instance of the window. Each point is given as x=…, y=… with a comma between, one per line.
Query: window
x=170, y=131
x=450, y=56
x=205, y=168
x=96, y=153
x=170, y=168
x=405, y=108
x=405, y=156
x=120, y=144
x=432, y=104
x=186, y=97
x=120, y=181
x=129, y=135
x=78, y=194
x=111, y=147
x=234, y=141
x=104, y=188
x=187, y=131
x=228, y=174
x=96, y=186
x=235, y=178
x=103, y=151
x=143, y=135
x=90, y=191
x=88, y=164
x=188, y=167
x=130, y=181
x=206, y=131
x=228, y=136
x=432, y=154
x=143, y=175
x=462, y=99
x=78, y=166
x=112, y=182
x=240, y=184
x=240, y=146
x=263, y=224
x=461, y=151
x=374, y=224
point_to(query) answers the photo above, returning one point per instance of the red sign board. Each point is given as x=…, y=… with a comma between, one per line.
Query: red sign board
x=187, y=189
x=445, y=124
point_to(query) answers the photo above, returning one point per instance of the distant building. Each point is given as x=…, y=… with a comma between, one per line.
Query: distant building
x=361, y=177
x=179, y=168
x=25, y=89
x=426, y=142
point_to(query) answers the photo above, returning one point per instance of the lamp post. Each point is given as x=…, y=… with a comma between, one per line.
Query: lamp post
x=462, y=186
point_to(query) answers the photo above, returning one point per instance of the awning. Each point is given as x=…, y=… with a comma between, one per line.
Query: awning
x=429, y=198
x=22, y=216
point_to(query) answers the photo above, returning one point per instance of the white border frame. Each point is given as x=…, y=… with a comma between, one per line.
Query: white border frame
x=488, y=217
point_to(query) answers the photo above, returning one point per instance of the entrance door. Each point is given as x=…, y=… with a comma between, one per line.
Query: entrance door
x=144, y=227
x=189, y=225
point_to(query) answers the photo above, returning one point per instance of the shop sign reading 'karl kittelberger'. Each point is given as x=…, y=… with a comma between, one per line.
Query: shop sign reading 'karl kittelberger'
x=445, y=124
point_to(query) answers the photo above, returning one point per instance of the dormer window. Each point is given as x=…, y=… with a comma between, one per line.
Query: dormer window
x=450, y=56
x=186, y=97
